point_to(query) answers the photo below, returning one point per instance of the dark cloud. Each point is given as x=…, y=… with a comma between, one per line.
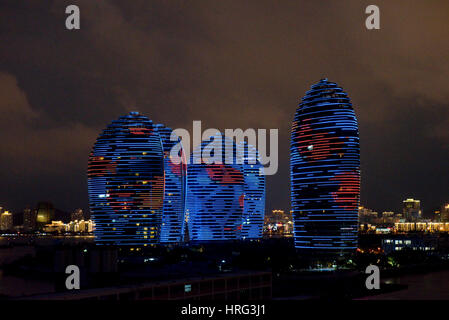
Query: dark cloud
x=230, y=64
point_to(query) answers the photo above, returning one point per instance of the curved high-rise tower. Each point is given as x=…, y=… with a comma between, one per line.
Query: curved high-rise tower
x=254, y=193
x=215, y=194
x=225, y=198
x=325, y=171
x=172, y=228
x=126, y=182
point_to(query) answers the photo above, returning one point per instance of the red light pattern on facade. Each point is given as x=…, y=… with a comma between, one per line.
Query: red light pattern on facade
x=100, y=166
x=140, y=131
x=313, y=145
x=348, y=190
x=242, y=200
x=224, y=174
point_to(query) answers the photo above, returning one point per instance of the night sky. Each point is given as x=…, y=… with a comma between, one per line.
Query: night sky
x=230, y=64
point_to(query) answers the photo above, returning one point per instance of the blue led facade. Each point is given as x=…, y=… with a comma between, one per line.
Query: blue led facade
x=325, y=171
x=226, y=200
x=172, y=228
x=254, y=193
x=126, y=182
x=215, y=195
x=139, y=197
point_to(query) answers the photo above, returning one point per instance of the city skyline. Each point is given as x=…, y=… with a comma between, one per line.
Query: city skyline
x=60, y=89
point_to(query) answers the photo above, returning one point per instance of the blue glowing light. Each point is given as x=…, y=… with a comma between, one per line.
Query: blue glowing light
x=325, y=170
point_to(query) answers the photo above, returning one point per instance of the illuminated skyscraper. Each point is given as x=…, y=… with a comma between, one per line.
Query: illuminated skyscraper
x=126, y=182
x=225, y=198
x=325, y=171
x=215, y=194
x=172, y=229
x=254, y=193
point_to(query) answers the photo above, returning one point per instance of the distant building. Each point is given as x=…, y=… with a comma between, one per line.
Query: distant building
x=76, y=226
x=77, y=215
x=278, y=223
x=54, y=227
x=45, y=213
x=397, y=243
x=422, y=226
x=29, y=219
x=436, y=216
x=370, y=221
x=444, y=213
x=412, y=210
x=81, y=226
x=6, y=221
x=368, y=216
x=388, y=217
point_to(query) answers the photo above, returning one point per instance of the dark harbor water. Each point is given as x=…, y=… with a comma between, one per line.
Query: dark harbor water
x=429, y=286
